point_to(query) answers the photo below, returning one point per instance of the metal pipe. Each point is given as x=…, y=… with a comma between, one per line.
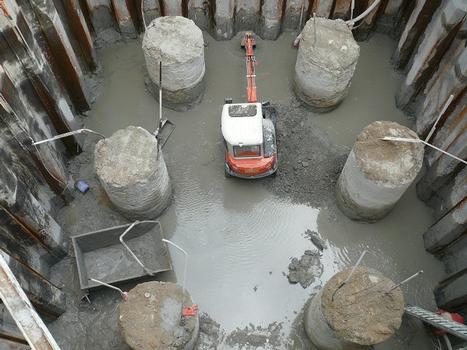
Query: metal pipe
x=402, y=139
x=301, y=18
x=406, y=280
x=67, y=134
x=122, y=293
x=149, y=272
x=350, y=274
x=314, y=29
x=184, y=269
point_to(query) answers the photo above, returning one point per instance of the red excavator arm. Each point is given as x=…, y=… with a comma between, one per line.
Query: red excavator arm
x=249, y=43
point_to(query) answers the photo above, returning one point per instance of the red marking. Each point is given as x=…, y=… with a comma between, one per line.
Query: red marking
x=449, y=316
x=190, y=311
x=250, y=166
x=4, y=9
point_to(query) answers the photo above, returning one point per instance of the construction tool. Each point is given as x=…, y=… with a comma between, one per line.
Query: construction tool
x=165, y=127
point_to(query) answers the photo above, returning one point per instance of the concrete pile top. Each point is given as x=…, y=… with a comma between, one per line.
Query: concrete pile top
x=129, y=156
x=174, y=39
x=331, y=45
x=150, y=319
x=388, y=161
x=363, y=312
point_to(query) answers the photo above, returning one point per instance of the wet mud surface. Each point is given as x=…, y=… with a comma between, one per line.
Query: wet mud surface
x=240, y=235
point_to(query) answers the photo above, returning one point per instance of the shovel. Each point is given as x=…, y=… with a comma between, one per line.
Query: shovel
x=165, y=127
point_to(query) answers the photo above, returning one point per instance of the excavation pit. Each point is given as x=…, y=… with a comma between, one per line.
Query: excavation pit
x=241, y=235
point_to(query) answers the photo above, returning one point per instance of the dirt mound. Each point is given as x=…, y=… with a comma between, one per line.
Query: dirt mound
x=309, y=163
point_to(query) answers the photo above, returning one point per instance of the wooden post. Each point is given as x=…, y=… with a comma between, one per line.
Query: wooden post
x=22, y=311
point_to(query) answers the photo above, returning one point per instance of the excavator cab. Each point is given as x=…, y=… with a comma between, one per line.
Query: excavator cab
x=250, y=140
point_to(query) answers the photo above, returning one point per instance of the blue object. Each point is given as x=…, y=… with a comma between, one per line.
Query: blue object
x=82, y=186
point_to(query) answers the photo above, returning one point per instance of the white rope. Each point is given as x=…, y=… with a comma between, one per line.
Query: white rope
x=351, y=22
x=401, y=139
x=445, y=107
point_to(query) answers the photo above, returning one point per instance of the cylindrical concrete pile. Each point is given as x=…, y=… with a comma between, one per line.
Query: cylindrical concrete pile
x=132, y=170
x=178, y=43
x=356, y=315
x=150, y=318
x=326, y=62
x=377, y=172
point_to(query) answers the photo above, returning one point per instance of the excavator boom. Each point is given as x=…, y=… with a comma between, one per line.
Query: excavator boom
x=249, y=43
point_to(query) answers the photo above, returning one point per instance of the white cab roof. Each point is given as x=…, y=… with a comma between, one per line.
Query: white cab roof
x=242, y=124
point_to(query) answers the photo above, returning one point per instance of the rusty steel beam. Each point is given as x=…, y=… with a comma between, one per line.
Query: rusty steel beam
x=22, y=311
x=440, y=33
x=342, y=9
x=124, y=19
x=322, y=8
x=418, y=20
x=449, y=79
x=81, y=32
x=62, y=50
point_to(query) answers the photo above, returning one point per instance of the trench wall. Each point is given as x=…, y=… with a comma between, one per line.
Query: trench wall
x=48, y=53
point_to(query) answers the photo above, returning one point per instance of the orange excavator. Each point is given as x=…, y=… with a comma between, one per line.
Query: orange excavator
x=249, y=128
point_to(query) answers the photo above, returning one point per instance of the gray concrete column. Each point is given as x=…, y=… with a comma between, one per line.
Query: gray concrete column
x=377, y=173
x=326, y=62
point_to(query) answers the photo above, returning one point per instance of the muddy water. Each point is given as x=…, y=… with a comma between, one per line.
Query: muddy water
x=239, y=236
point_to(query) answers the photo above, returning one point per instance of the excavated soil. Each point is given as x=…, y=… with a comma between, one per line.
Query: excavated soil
x=302, y=145
x=363, y=311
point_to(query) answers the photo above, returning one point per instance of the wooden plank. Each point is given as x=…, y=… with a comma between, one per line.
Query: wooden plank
x=19, y=306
